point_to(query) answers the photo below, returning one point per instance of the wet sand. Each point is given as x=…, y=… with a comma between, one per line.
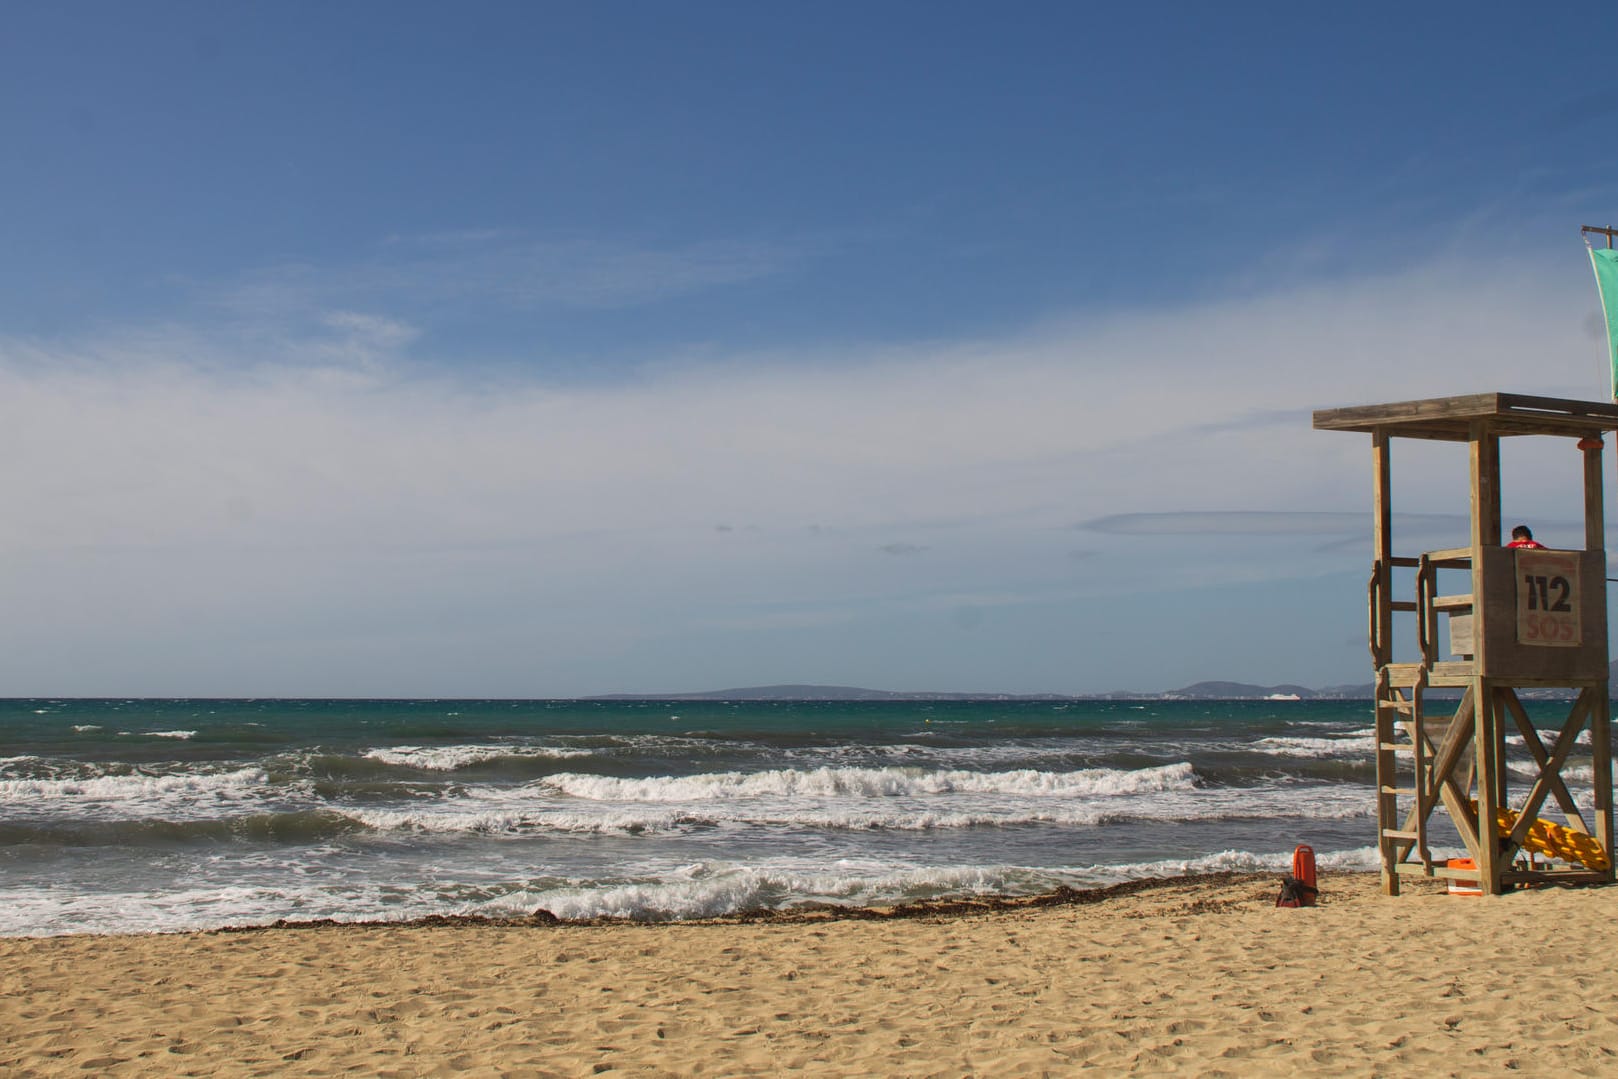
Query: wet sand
x=1202, y=976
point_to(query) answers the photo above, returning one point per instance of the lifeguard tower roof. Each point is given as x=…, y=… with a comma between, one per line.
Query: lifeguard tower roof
x=1450, y=419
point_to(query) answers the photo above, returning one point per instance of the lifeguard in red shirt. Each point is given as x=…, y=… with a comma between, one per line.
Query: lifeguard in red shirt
x=1522, y=537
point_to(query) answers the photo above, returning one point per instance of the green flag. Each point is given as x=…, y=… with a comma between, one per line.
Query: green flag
x=1605, y=261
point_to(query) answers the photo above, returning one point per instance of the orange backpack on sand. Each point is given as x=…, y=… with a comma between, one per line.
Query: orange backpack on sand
x=1298, y=889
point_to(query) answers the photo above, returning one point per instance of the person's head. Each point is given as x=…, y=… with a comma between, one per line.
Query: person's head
x=1521, y=532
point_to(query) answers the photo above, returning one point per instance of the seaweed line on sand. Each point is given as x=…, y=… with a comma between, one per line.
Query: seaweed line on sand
x=1193, y=887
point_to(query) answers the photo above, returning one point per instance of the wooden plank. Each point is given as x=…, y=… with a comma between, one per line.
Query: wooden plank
x=1403, y=674
x=1460, y=634
x=1452, y=673
x=1554, y=876
x=1440, y=871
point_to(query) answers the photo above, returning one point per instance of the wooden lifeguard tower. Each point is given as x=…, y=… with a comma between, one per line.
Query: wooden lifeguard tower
x=1527, y=619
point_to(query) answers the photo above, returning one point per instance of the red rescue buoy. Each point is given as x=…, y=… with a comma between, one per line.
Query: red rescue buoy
x=1303, y=869
x=1298, y=888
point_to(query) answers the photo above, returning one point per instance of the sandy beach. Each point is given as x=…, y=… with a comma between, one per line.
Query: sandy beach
x=1199, y=976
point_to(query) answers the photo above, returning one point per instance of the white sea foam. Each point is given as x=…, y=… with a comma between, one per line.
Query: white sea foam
x=188, y=796
x=712, y=891
x=1547, y=738
x=872, y=782
x=492, y=810
x=1237, y=861
x=39, y=911
x=1354, y=746
x=1581, y=773
x=86, y=728
x=181, y=735
x=450, y=758
x=471, y=817
x=115, y=788
x=697, y=890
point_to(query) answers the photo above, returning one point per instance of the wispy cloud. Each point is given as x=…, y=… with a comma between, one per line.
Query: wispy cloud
x=199, y=512
x=501, y=269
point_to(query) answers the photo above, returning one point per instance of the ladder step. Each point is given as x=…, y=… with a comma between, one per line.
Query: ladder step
x=1397, y=706
x=1403, y=605
x=1399, y=790
x=1394, y=833
x=1451, y=603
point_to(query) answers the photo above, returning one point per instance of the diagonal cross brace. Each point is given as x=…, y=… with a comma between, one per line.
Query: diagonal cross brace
x=1442, y=783
x=1550, y=764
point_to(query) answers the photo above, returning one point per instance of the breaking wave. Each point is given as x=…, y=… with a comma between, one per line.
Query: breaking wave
x=872, y=783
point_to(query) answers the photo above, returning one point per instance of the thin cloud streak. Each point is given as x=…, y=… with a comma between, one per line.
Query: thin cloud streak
x=503, y=270
x=1258, y=523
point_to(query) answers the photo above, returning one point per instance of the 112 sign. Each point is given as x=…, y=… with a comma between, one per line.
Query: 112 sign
x=1547, y=599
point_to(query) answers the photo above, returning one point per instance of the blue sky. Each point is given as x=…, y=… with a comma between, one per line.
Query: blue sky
x=538, y=350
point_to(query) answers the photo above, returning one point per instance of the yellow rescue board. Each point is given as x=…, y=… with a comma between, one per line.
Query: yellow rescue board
x=1553, y=840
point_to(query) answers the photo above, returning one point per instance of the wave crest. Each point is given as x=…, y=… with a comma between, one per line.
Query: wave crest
x=126, y=787
x=451, y=758
x=829, y=782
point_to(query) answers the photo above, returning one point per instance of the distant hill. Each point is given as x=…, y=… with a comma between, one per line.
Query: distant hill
x=1208, y=691
x=1241, y=691
x=824, y=693
x=1199, y=691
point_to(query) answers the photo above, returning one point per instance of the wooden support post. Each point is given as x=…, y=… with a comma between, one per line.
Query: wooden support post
x=1486, y=740
x=1594, y=523
x=1487, y=719
x=1382, y=543
x=1485, y=488
x=1595, y=539
x=1601, y=757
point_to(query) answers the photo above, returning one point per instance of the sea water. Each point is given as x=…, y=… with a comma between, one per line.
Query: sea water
x=127, y=816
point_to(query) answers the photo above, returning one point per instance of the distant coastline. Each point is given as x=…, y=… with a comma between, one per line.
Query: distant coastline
x=1197, y=691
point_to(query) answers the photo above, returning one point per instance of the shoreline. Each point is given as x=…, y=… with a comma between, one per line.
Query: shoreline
x=1197, y=976
x=794, y=915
